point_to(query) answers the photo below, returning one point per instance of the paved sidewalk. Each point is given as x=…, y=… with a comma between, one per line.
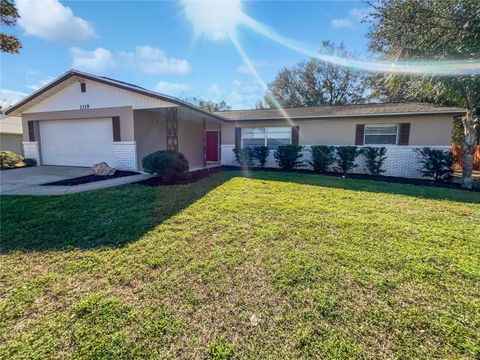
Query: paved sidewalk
x=27, y=181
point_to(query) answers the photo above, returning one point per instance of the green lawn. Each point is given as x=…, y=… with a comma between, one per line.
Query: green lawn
x=333, y=268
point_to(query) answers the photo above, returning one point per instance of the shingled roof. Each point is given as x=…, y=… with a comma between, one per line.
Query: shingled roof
x=383, y=109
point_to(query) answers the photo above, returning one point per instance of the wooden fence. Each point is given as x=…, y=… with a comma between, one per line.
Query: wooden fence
x=458, y=159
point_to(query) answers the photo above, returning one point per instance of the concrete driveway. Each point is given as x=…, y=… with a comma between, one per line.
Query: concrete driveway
x=28, y=181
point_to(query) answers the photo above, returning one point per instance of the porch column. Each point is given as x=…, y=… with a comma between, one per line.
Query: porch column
x=204, y=133
x=172, y=129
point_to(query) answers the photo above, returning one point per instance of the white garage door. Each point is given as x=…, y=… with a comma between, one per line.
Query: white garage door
x=76, y=142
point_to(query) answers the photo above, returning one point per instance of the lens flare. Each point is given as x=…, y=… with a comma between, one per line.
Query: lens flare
x=456, y=67
x=219, y=20
x=257, y=76
x=213, y=19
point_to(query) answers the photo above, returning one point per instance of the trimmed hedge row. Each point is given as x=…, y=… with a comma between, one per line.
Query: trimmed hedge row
x=436, y=164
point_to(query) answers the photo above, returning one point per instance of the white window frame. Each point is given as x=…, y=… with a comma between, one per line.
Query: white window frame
x=381, y=125
x=265, y=131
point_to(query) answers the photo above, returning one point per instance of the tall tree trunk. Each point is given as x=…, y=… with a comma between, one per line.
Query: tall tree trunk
x=469, y=146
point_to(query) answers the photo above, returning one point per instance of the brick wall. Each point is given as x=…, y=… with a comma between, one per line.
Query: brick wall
x=125, y=155
x=401, y=161
x=30, y=150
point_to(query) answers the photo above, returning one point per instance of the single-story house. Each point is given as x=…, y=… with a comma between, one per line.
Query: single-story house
x=80, y=119
x=11, y=134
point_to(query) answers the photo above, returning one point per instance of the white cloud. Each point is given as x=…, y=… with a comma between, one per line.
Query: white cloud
x=52, y=21
x=341, y=23
x=10, y=97
x=245, y=70
x=153, y=61
x=240, y=95
x=36, y=84
x=214, y=90
x=356, y=15
x=173, y=89
x=244, y=95
x=145, y=59
x=98, y=60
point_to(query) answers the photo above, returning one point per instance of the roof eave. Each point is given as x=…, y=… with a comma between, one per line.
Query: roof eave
x=71, y=73
x=313, y=117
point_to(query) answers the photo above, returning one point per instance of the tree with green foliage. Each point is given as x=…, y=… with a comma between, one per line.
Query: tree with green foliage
x=244, y=157
x=314, y=83
x=260, y=153
x=431, y=30
x=8, y=17
x=168, y=165
x=346, y=156
x=374, y=159
x=209, y=105
x=436, y=164
x=288, y=157
x=322, y=157
x=9, y=159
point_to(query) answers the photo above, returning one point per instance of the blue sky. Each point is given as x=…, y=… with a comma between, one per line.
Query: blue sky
x=154, y=45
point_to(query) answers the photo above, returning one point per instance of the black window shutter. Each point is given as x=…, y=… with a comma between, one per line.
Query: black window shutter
x=295, y=135
x=83, y=87
x=238, y=137
x=116, y=128
x=359, y=134
x=31, y=131
x=404, y=134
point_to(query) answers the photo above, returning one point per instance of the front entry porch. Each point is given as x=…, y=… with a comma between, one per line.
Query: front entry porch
x=194, y=134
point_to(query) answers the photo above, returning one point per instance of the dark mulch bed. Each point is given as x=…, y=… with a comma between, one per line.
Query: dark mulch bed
x=90, y=178
x=13, y=168
x=200, y=174
x=389, y=179
x=193, y=177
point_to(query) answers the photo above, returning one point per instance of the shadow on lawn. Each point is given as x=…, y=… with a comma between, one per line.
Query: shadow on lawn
x=104, y=218
x=121, y=215
x=375, y=186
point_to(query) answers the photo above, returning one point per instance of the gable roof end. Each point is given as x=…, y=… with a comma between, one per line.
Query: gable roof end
x=111, y=82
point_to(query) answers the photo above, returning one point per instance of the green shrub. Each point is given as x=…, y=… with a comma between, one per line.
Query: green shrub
x=374, y=159
x=169, y=165
x=436, y=164
x=220, y=349
x=346, y=156
x=244, y=157
x=288, y=156
x=30, y=162
x=322, y=157
x=8, y=159
x=260, y=153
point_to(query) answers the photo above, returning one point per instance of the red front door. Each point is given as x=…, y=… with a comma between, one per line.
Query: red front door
x=212, y=145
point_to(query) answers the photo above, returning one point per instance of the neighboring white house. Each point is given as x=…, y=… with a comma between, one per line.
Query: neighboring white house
x=11, y=134
x=80, y=119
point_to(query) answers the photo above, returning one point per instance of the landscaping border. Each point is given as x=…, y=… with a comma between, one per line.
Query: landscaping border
x=203, y=173
x=90, y=178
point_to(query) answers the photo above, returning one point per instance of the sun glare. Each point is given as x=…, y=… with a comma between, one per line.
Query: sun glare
x=215, y=20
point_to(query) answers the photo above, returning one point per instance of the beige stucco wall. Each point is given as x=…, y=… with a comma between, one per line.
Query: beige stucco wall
x=190, y=142
x=425, y=129
x=190, y=135
x=150, y=133
x=67, y=96
x=12, y=142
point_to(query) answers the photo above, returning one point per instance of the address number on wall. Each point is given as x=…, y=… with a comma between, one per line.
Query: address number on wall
x=86, y=106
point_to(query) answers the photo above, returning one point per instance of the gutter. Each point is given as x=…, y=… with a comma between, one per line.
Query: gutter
x=314, y=117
